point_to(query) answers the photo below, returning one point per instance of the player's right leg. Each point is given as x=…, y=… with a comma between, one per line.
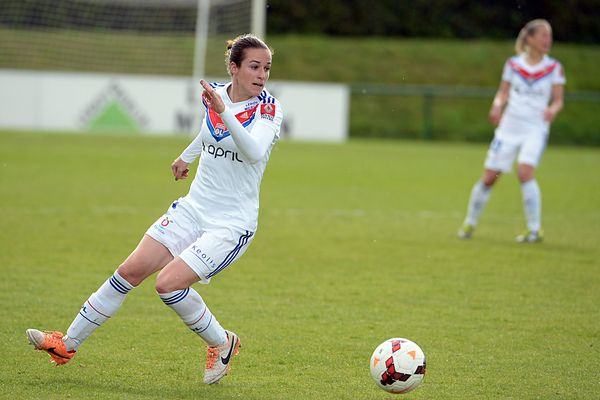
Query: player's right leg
x=499, y=159
x=146, y=259
x=480, y=194
x=52, y=343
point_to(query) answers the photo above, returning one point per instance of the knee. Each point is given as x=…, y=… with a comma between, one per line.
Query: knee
x=130, y=273
x=488, y=182
x=525, y=173
x=490, y=177
x=163, y=284
x=525, y=177
x=176, y=275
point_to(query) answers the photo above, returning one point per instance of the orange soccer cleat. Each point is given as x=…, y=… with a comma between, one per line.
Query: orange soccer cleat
x=218, y=358
x=52, y=343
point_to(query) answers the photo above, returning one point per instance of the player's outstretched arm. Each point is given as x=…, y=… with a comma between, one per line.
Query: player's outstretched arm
x=254, y=145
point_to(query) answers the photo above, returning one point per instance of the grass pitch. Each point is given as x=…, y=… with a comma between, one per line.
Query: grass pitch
x=356, y=244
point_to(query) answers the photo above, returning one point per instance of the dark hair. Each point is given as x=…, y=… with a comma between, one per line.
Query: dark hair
x=236, y=48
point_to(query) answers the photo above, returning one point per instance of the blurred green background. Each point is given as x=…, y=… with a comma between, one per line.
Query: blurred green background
x=449, y=54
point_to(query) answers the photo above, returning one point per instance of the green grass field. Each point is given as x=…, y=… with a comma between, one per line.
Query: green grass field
x=356, y=244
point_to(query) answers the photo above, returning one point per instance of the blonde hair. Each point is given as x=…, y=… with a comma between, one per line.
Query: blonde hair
x=528, y=30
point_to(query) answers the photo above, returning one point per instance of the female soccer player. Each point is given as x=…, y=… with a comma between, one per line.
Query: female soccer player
x=202, y=233
x=529, y=81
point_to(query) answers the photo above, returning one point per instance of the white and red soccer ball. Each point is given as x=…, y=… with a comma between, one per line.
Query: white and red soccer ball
x=398, y=365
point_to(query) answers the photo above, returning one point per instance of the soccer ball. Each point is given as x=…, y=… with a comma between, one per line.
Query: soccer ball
x=398, y=365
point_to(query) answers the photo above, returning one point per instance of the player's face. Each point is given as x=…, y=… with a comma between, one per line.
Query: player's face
x=253, y=73
x=541, y=40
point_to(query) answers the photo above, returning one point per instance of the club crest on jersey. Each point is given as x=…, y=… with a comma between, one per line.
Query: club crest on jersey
x=217, y=128
x=267, y=111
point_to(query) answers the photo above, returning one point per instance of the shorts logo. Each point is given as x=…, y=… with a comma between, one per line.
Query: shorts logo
x=162, y=224
x=165, y=221
x=267, y=111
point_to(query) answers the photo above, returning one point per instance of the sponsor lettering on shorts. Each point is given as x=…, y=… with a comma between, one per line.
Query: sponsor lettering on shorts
x=202, y=256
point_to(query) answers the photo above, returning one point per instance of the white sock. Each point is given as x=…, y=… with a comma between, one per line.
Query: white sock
x=479, y=198
x=532, y=204
x=100, y=306
x=188, y=304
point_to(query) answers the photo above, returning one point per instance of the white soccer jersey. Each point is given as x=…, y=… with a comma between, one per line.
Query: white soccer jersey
x=225, y=190
x=531, y=87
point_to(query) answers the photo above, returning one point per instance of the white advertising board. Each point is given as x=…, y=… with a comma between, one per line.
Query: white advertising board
x=83, y=102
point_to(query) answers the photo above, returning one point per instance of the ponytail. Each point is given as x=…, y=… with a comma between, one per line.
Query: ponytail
x=528, y=30
x=236, y=48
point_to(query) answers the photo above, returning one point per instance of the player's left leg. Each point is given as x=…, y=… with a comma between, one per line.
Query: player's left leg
x=209, y=255
x=173, y=286
x=528, y=161
x=532, y=204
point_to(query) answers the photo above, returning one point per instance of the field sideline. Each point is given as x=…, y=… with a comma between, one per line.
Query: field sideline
x=356, y=244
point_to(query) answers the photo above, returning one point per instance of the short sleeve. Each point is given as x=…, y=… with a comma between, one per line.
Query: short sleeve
x=558, y=75
x=507, y=72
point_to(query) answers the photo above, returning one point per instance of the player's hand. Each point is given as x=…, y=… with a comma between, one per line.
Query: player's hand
x=495, y=114
x=549, y=114
x=180, y=169
x=212, y=98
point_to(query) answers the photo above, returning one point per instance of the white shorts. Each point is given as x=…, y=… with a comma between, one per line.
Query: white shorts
x=517, y=138
x=205, y=249
x=527, y=150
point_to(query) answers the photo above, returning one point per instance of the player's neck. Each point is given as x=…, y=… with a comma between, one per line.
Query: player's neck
x=533, y=57
x=236, y=94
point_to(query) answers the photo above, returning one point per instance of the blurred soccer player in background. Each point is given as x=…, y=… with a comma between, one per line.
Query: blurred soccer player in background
x=202, y=233
x=530, y=80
